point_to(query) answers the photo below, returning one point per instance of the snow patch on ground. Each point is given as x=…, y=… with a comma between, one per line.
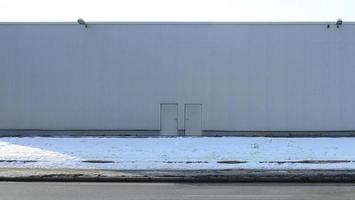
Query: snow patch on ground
x=178, y=153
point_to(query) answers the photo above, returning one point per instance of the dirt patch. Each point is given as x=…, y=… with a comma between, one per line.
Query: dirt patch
x=98, y=161
x=173, y=162
x=61, y=175
x=231, y=162
x=20, y=161
x=309, y=161
x=186, y=162
x=191, y=162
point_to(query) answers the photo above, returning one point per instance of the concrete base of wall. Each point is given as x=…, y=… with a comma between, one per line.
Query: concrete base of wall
x=156, y=133
x=281, y=133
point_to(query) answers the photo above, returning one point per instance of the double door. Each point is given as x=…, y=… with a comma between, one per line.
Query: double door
x=169, y=119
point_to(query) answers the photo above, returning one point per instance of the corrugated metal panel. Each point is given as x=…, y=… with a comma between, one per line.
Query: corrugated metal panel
x=114, y=76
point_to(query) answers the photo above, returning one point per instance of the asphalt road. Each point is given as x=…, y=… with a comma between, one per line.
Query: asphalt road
x=157, y=191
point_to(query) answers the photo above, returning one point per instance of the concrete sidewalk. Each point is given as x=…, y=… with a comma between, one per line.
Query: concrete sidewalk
x=76, y=175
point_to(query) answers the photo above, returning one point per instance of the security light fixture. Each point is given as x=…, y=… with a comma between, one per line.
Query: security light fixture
x=82, y=22
x=339, y=23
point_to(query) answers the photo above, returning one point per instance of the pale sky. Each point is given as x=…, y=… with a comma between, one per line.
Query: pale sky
x=177, y=10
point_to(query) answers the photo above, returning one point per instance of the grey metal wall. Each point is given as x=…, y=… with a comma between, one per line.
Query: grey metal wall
x=267, y=77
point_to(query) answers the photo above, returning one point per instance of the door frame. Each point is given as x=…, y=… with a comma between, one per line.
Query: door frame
x=200, y=104
x=177, y=115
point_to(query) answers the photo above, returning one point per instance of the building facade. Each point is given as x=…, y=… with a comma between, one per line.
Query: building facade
x=178, y=78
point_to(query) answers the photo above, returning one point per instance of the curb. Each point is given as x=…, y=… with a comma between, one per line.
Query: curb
x=178, y=176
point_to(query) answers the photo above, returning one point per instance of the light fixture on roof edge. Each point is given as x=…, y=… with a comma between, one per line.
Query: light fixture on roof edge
x=339, y=23
x=82, y=22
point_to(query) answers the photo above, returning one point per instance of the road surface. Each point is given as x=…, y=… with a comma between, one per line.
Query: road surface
x=158, y=191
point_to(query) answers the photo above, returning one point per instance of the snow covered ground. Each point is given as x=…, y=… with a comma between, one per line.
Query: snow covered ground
x=178, y=153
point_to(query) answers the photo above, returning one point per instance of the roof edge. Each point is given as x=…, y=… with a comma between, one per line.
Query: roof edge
x=182, y=23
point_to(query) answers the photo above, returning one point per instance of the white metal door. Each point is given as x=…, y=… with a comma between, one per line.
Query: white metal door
x=168, y=119
x=193, y=119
